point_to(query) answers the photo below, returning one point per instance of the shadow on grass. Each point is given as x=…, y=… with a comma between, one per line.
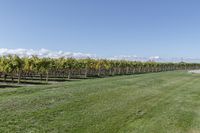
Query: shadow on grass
x=8, y=86
x=22, y=82
x=38, y=81
x=12, y=84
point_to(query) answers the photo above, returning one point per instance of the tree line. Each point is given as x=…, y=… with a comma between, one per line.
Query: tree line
x=14, y=67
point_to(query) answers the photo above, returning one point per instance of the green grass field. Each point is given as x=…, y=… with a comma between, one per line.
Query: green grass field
x=167, y=102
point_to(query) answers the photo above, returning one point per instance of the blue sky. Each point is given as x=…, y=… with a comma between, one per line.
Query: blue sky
x=166, y=28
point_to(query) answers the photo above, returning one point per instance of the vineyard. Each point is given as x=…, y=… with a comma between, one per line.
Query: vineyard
x=14, y=69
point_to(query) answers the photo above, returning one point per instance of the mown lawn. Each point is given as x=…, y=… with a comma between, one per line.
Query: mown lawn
x=167, y=102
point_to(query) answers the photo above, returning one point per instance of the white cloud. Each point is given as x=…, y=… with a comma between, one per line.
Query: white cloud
x=155, y=58
x=56, y=54
x=43, y=53
x=135, y=58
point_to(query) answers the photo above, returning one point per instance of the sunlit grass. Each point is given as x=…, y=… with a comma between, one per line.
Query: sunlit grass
x=146, y=103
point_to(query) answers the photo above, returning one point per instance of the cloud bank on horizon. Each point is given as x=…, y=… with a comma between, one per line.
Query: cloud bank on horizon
x=43, y=53
x=57, y=54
